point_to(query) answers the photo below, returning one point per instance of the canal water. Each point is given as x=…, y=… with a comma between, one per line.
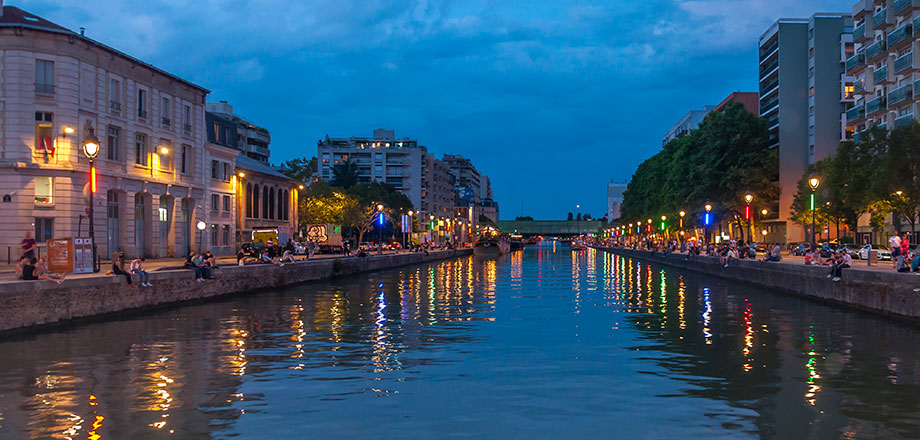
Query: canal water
x=544, y=343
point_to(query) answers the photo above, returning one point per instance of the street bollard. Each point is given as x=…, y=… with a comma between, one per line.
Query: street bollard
x=873, y=258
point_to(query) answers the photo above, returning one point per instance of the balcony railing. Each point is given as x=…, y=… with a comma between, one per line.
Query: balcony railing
x=769, y=87
x=142, y=114
x=916, y=22
x=875, y=105
x=855, y=61
x=901, y=94
x=900, y=34
x=860, y=32
x=187, y=127
x=883, y=125
x=165, y=121
x=904, y=62
x=857, y=112
x=903, y=120
x=769, y=67
x=772, y=122
x=859, y=86
x=768, y=106
x=115, y=105
x=880, y=75
x=45, y=89
x=766, y=52
x=880, y=19
x=901, y=5
x=875, y=50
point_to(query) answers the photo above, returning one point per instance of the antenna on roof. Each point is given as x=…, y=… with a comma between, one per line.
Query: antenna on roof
x=82, y=31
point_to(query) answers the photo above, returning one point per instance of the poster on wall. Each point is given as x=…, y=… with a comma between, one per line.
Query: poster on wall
x=60, y=255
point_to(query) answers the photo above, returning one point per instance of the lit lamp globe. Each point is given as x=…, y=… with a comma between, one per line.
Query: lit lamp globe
x=708, y=207
x=379, y=207
x=748, y=198
x=814, y=182
x=682, y=213
x=201, y=225
x=764, y=211
x=664, y=217
x=91, y=145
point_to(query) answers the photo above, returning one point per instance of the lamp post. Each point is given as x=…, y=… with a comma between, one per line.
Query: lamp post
x=380, y=220
x=91, y=149
x=201, y=225
x=813, y=183
x=706, y=221
x=748, y=216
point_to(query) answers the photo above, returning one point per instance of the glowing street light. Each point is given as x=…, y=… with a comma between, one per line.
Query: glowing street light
x=91, y=149
x=813, y=183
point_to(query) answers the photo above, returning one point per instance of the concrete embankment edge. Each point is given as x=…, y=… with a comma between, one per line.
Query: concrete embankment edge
x=889, y=293
x=28, y=305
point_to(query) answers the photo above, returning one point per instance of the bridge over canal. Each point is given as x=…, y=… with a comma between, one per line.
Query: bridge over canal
x=557, y=228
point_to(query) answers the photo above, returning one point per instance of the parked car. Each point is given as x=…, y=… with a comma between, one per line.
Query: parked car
x=851, y=249
x=883, y=252
x=799, y=250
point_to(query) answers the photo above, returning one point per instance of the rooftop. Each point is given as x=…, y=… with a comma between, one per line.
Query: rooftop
x=244, y=162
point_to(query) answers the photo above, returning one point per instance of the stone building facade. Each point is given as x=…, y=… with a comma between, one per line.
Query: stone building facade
x=154, y=184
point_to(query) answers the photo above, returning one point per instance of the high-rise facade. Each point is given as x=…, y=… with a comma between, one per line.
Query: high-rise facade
x=686, y=124
x=883, y=64
x=615, y=192
x=804, y=91
x=251, y=139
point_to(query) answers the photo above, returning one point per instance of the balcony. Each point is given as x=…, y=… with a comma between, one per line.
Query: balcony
x=769, y=50
x=857, y=112
x=902, y=6
x=115, y=106
x=880, y=75
x=769, y=68
x=904, y=62
x=900, y=35
x=883, y=125
x=916, y=22
x=903, y=120
x=187, y=127
x=880, y=20
x=860, y=32
x=773, y=122
x=917, y=87
x=44, y=89
x=165, y=121
x=764, y=108
x=875, y=50
x=900, y=94
x=875, y=105
x=142, y=114
x=769, y=87
x=262, y=151
x=855, y=61
x=859, y=86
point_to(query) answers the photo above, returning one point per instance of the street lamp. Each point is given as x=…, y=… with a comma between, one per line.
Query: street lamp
x=748, y=217
x=813, y=183
x=707, y=220
x=201, y=225
x=91, y=149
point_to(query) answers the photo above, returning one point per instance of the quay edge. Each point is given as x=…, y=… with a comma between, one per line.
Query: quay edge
x=887, y=293
x=31, y=305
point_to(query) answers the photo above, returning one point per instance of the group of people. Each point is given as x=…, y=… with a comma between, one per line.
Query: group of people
x=202, y=264
x=33, y=269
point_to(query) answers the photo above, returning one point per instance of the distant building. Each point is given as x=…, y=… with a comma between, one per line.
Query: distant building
x=686, y=124
x=748, y=99
x=615, y=192
x=266, y=198
x=803, y=94
x=251, y=139
x=402, y=163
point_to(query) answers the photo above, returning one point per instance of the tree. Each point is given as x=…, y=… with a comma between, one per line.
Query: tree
x=578, y=218
x=300, y=169
x=569, y=217
x=345, y=175
x=903, y=163
x=523, y=219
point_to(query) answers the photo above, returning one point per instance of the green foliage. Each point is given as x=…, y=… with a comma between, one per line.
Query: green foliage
x=718, y=163
x=525, y=218
x=345, y=175
x=300, y=169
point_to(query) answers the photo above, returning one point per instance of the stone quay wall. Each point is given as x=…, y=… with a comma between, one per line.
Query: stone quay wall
x=889, y=293
x=28, y=304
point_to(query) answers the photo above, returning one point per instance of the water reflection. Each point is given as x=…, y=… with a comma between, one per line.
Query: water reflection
x=475, y=347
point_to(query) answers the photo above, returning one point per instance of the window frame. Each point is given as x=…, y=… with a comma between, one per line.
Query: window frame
x=50, y=197
x=141, y=150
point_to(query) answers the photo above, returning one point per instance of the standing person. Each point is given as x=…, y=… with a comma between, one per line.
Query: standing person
x=118, y=267
x=905, y=245
x=28, y=246
x=142, y=275
x=894, y=243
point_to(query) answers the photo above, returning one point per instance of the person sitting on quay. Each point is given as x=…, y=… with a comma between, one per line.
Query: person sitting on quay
x=23, y=261
x=41, y=268
x=903, y=262
x=729, y=255
x=840, y=260
x=137, y=268
x=190, y=263
x=287, y=256
x=29, y=272
x=118, y=268
x=206, y=271
x=210, y=260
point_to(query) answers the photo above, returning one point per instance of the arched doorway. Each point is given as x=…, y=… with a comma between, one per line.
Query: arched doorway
x=185, y=226
x=140, y=224
x=165, y=220
x=113, y=224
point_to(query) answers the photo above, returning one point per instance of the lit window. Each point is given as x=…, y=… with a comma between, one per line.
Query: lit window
x=44, y=190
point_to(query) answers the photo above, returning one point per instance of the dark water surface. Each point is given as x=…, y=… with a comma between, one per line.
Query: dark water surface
x=541, y=344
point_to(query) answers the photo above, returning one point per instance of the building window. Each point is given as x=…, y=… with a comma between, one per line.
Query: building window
x=216, y=132
x=214, y=235
x=186, y=156
x=280, y=205
x=115, y=95
x=225, y=171
x=165, y=155
x=44, y=137
x=811, y=91
x=248, y=200
x=811, y=71
x=44, y=77
x=215, y=202
x=165, y=110
x=271, y=204
x=225, y=239
x=114, y=148
x=811, y=52
x=848, y=91
x=187, y=117
x=287, y=203
x=142, y=104
x=255, y=201
x=227, y=203
x=140, y=149
x=215, y=169
x=44, y=229
x=44, y=190
x=265, y=209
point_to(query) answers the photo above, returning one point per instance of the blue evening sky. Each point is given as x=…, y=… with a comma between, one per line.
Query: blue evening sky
x=550, y=98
